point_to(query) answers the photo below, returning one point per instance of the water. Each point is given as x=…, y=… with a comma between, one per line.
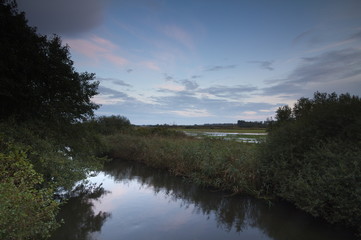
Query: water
x=136, y=202
x=239, y=137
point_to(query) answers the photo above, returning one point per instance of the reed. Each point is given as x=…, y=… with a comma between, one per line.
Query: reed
x=226, y=165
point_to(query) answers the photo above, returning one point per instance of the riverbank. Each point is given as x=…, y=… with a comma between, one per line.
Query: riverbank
x=226, y=165
x=242, y=169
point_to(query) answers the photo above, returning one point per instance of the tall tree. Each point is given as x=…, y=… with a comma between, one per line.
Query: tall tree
x=37, y=76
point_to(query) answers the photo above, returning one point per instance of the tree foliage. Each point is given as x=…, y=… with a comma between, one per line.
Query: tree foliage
x=37, y=77
x=107, y=125
x=27, y=209
x=312, y=156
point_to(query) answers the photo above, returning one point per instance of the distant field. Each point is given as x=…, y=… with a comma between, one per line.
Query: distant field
x=260, y=130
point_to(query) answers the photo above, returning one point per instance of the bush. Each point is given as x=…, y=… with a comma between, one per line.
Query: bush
x=312, y=157
x=111, y=125
x=27, y=210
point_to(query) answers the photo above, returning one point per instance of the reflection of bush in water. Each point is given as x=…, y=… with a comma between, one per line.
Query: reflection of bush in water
x=236, y=213
x=230, y=212
x=79, y=217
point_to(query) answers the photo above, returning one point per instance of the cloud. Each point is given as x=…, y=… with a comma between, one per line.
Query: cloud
x=356, y=36
x=97, y=49
x=65, y=17
x=333, y=65
x=115, y=81
x=264, y=64
x=192, y=113
x=326, y=71
x=171, y=87
x=179, y=34
x=150, y=65
x=111, y=92
x=234, y=92
x=168, y=77
x=302, y=36
x=189, y=85
x=220, y=67
x=250, y=112
x=189, y=105
x=196, y=76
x=110, y=96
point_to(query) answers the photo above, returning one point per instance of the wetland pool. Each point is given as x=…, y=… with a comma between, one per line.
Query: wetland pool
x=131, y=201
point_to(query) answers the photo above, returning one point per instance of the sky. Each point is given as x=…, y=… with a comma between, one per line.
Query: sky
x=188, y=62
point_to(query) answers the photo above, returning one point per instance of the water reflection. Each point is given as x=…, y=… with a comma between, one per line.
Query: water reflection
x=146, y=203
x=232, y=214
x=80, y=220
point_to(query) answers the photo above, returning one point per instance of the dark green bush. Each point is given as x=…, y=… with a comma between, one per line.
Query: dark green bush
x=107, y=125
x=312, y=157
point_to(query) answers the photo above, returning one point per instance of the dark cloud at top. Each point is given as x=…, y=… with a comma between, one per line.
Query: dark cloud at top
x=220, y=67
x=65, y=17
x=264, y=64
x=129, y=70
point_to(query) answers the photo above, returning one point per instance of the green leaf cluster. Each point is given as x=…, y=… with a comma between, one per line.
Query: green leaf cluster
x=27, y=209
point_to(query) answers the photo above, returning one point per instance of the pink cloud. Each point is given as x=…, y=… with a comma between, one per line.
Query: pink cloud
x=179, y=35
x=151, y=65
x=104, y=42
x=97, y=49
x=116, y=60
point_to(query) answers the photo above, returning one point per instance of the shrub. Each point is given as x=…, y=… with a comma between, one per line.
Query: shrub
x=27, y=210
x=312, y=157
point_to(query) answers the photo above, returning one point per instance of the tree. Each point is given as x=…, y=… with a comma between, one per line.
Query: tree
x=43, y=145
x=107, y=125
x=37, y=77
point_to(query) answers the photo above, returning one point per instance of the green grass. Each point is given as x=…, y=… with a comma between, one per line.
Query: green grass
x=226, y=165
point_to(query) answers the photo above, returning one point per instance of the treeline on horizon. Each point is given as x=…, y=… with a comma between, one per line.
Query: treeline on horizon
x=50, y=140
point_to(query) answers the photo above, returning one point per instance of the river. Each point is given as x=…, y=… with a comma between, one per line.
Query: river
x=130, y=201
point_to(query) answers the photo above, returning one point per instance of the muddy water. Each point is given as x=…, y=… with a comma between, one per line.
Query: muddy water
x=136, y=202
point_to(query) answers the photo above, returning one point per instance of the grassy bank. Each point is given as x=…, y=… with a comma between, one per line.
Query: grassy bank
x=226, y=165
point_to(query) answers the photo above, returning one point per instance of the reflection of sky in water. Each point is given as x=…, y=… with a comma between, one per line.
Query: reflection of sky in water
x=137, y=212
x=239, y=137
x=145, y=203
